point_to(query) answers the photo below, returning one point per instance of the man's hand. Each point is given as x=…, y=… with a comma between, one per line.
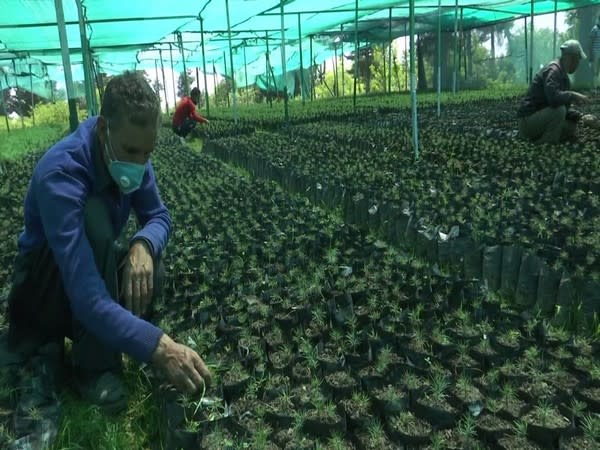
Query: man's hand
x=138, y=276
x=182, y=365
x=590, y=120
x=580, y=98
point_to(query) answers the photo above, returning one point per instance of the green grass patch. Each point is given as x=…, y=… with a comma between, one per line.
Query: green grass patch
x=20, y=141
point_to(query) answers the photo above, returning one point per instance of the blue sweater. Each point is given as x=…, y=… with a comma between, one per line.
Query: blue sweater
x=62, y=180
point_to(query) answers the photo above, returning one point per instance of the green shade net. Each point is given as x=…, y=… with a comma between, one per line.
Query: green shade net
x=128, y=35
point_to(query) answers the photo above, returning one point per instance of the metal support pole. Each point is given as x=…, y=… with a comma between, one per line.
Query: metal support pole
x=173, y=76
x=390, y=51
x=312, y=76
x=336, y=88
x=204, y=67
x=225, y=64
x=355, y=52
x=233, y=86
x=302, y=90
x=66, y=59
x=19, y=110
x=405, y=59
x=554, y=39
x=197, y=78
x=215, y=80
x=90, y=94
x=439, y=60
x=2, y=103
x=162, y=69
x=531, y=40
x=186, y=82
x=32, y=96
x=526, y=53
x=454, y=74
x=268, y=64
x=284, y=65
x=343, y=70
x=413, y=80
x=245, y=67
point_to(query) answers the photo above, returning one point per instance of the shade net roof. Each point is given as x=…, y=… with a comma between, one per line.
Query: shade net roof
x=139, y=34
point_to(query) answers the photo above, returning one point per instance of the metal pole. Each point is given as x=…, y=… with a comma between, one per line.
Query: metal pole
x=405, y=59
x=554, y=39
x=301, y=60
x=439, y=60
x=312, y=77
x=531, y=40
x=2, y=103
x=233, y=87
x=343, y=71
x=225, y=64
x=197, y=78
x=173, y=75
x=355, y=52
x=204, y=67
x=32, y=97
x=66, y=59
x=526, y=53
x=90, y=95
x=455, y=46
x=215, y=80
x=186, y=83
x=336, y=88
x=413, y=80
x=390, y=52
x=245, y=67
x=284, y=64
x=19, y=110
x=162, y=69
x=268, y=63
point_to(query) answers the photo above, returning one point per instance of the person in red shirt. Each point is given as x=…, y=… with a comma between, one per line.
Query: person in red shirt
x=185, y=116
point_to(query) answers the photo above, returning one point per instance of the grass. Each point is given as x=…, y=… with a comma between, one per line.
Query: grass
x=20, y=141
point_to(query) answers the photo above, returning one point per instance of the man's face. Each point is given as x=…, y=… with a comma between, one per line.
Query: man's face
x=127, y=142
x=571, y=62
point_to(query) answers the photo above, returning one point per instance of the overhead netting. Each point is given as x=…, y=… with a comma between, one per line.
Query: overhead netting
x=141, y=34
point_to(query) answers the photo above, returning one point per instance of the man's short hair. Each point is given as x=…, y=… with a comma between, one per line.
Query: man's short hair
x=195, y=92
x=128, y=96
x=572, y=47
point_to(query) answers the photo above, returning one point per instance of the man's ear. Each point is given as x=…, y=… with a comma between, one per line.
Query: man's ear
x=101, y=129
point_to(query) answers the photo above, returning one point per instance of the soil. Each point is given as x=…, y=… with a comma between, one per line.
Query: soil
x=512, y=443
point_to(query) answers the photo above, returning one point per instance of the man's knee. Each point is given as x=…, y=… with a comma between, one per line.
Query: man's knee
x=98, y=226
x=558, y=115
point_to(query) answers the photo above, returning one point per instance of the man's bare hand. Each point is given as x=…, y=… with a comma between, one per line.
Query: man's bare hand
x=138, y=276
x=580, y=98
x=183, y=366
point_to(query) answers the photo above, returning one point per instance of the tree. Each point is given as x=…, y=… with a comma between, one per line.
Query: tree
x=181, y=91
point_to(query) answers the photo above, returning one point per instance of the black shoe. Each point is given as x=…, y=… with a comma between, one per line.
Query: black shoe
x=104, y=389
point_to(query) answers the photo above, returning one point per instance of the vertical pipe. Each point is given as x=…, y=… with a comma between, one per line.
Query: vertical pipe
x=390, y=51
x=356, y=58
x=284, y=64
x=215, y=80
x=268, y=61
x=2, y=103
x=342, y=55
x=162, y=69
x=336, y=87
x=19, y=110
x=173, y=75
x=531, y=40
x=245, y=67
x=554, y=39
x=233, y=86
x=225, y=64
x=156, y=77
x=461, y=43
x=204, y=68
x=186, y=81
x=413, y=81
x=405, y=59
x=66, y=59
x=90, y=95
x=439, y=59
x=455, y=46
x=32, y=97
x=302, y=90
x=197, y=77
x=312, y=77
x=526, y=53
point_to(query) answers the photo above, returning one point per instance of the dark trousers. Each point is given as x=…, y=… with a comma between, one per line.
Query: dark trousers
x=38, y=308
x=184, y=129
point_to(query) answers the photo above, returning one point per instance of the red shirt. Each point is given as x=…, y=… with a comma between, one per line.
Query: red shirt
x=186, y=109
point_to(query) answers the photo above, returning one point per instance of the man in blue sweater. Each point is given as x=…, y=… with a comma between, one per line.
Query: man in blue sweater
x=72, y=279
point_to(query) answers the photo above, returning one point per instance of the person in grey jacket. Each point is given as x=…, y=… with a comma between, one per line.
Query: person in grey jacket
x=545, y=115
